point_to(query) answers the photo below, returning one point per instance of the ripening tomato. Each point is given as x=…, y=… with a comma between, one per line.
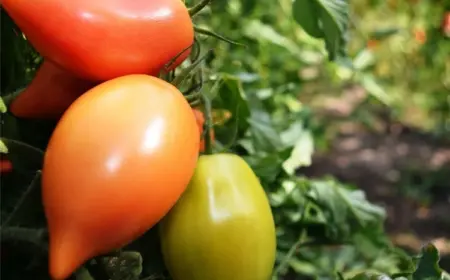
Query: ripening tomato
x=105, y=39
x=446, y=24
x=222, y=227
x=49, y=94
x=117, y=161
x=200, y=122
x=420, y=35
x=5, y=166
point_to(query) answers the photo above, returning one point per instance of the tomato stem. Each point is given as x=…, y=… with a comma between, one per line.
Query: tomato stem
x=197, y=8
x=31, y=236
x=217, y=36
x=185, y=73
x=207, y=125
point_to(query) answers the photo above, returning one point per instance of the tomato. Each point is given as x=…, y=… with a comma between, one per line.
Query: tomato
x=117, y=161
x=446, y=24
x=105, y=39
x=200, y=122
x=5, y=166
x=420, y=35
x=49, y=94
x=372, y=44
x=222, y=227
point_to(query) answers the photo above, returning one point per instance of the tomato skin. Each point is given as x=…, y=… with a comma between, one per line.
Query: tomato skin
x=446, y=24
x=105, y=39
x=5, y=166
x=49, y=94
x=200, y=122
x=222, y=227
x=117, y=161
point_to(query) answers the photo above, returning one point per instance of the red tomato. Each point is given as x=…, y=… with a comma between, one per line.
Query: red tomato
x=105, y=39
x=446, y=24
x=200, y=122
x=49, y=94
x=5, y=166
x=117, y=161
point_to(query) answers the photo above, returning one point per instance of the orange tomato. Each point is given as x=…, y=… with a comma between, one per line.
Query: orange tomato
x=49, y=94
x=372, y=44
x=420, y=35
x=200, y=122
x=104, y=39
x=117, y=161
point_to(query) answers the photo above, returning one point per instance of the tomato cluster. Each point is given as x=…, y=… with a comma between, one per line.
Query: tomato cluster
x=124, y=155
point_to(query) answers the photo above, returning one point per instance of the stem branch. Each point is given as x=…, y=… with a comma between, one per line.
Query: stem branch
x=208, y=125
x=197, y=8
x=33, y=236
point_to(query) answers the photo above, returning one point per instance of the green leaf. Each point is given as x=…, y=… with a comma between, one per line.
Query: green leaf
x=126, y=265
x=265, y=138
x=327, y=19
x=3, y=108
x=149, y=247
x=306, y=13
x=370, y=276
x=3, y=148
x=428, y=264
x=303, y=142
x=384, y=33
x=373, y=88
x=267, y=166
x=347, y=211
x=232, y=98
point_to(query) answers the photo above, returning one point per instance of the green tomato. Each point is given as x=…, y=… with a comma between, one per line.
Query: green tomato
x=222, y=227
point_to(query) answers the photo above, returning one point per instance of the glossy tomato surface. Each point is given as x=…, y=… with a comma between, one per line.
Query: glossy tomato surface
x=49, y=94
x=105, y=39
x=222, y=227
x=118, y=160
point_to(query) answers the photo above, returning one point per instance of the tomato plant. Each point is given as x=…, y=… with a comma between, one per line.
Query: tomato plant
x=100, y=40
x=125, y=182
x=249, y=157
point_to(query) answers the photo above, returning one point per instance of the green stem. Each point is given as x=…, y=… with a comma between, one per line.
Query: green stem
x=208, y=125
x=195, y=103
x=197, y=8
x=196, y=50
x=217, y=36
x=193, y=96
x=172, y=61
x=22, y=200
x=28, y=235
x=185, y=73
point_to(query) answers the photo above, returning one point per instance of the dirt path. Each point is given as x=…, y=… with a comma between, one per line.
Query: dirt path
x=405, y=171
